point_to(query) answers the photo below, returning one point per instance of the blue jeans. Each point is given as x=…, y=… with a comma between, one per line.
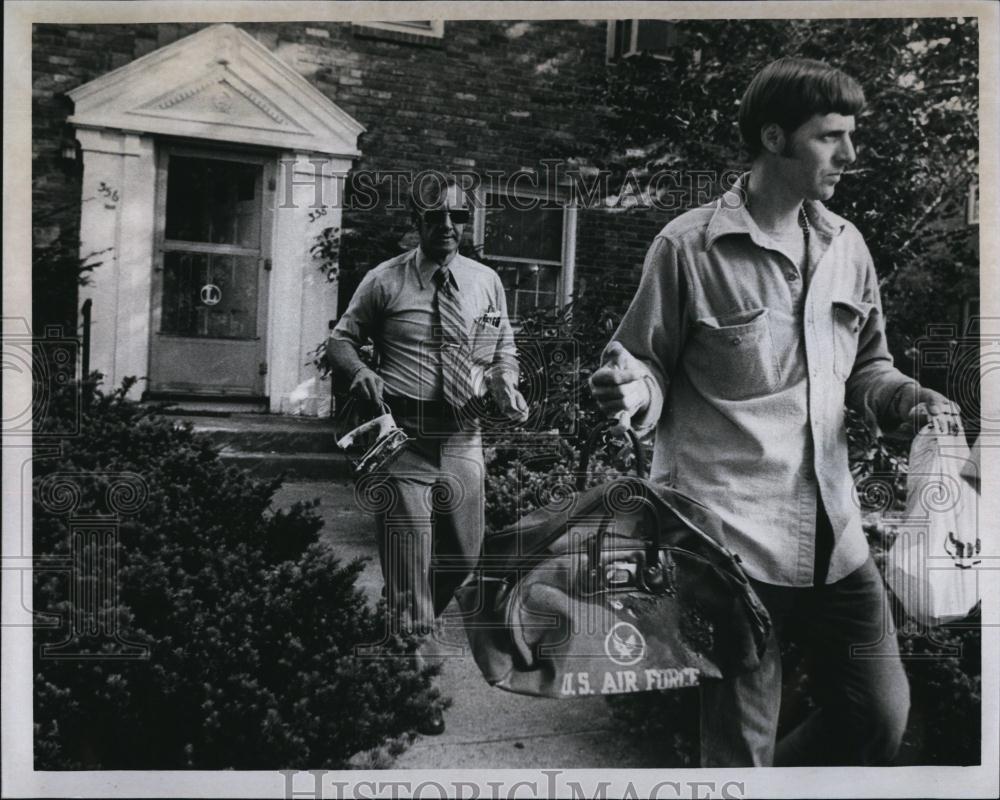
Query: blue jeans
x=865, y=697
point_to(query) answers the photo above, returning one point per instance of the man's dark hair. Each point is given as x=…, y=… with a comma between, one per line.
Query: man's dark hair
x=791, y=90
x=427, y=188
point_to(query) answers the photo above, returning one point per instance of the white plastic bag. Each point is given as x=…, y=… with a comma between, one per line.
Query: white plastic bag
x=931, y=566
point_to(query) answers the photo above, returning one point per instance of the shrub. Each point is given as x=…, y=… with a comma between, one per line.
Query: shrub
x=560, y=348
x=228, y=637
x=520, y=479
x=944, y=667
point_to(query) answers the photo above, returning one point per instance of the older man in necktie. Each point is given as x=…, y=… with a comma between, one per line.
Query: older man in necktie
x=439, y=323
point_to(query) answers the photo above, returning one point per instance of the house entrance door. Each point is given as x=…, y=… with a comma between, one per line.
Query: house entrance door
x=212, y=258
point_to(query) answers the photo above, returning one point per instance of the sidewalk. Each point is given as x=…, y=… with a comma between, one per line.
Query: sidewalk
x=487, y=728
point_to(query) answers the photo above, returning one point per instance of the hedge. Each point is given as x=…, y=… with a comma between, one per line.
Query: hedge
x=229, y=637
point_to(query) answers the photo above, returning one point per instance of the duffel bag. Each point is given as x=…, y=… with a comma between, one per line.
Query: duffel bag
x=623, y=587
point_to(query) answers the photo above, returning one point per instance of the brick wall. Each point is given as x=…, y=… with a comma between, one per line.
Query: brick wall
x=488, y=96
x=610, y=249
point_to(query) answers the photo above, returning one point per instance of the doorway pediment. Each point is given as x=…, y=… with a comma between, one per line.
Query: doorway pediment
x=218, y=84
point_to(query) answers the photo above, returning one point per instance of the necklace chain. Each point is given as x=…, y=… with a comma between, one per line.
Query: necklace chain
x=804, y=225
x=803, y=220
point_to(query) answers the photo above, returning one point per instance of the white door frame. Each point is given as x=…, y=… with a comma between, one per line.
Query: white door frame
x=222, y=88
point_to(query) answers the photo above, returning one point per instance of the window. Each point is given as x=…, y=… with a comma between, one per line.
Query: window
x=972, y=204
x=416, y=31
x=630, y=37
x=530, y=241
x=211, y=247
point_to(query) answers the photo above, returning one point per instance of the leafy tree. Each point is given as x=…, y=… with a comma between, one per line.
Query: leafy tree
x=917, y=139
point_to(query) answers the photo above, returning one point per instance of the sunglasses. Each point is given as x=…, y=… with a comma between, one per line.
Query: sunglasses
x=459, y=216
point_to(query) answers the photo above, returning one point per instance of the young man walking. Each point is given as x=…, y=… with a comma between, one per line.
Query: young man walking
x=757, y=318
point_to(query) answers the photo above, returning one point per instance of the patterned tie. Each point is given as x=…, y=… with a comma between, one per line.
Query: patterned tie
x=456, y=364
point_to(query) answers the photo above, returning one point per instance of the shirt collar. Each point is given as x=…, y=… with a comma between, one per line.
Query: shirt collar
x=731, y=216
x=425, y=268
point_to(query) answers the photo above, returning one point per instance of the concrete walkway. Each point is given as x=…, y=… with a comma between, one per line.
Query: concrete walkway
x=486, y=728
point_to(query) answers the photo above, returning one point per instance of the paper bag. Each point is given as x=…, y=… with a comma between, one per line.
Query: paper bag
x=932, y=566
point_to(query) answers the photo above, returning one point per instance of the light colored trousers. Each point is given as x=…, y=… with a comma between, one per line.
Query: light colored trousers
x=430, y=528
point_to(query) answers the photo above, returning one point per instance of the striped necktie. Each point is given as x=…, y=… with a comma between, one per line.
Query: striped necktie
x=456, y=364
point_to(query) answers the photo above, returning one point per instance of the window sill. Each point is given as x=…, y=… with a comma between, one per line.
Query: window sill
x=429, y=39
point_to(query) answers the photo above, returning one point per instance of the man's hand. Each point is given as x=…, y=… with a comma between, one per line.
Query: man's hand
x=509, y=401
x=919, y=407
x=619, y=384
x=367, y=385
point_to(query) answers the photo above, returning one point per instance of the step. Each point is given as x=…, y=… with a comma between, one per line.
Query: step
x=291, y=466
x=266, y=433
x=217, y=407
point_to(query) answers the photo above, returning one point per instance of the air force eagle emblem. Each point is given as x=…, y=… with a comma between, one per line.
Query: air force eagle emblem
x=624, y=644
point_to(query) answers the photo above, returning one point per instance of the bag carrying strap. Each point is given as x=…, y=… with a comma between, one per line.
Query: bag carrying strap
x=591, y=444
x=558, y=528
x=653, y=575
x=724, y=563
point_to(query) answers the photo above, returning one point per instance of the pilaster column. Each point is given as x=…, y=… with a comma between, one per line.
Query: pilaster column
x=303, y=300
x=116, y=230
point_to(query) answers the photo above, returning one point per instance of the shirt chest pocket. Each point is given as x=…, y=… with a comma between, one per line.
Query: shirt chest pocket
x=849, y=317
x=485, y=337
x=733, y=356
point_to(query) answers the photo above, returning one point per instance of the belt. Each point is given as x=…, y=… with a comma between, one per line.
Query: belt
x=412, y=407
x=430, y=417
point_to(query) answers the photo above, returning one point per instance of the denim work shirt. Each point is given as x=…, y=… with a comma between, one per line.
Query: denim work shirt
x=751, y=363
x=394, y=306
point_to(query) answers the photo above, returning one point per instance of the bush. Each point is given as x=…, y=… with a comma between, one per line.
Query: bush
x=520, y=479
x=945, y=671
x=560, y=349
x=227, y=639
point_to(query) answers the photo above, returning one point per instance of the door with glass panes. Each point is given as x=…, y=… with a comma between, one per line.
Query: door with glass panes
x=211, y=263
